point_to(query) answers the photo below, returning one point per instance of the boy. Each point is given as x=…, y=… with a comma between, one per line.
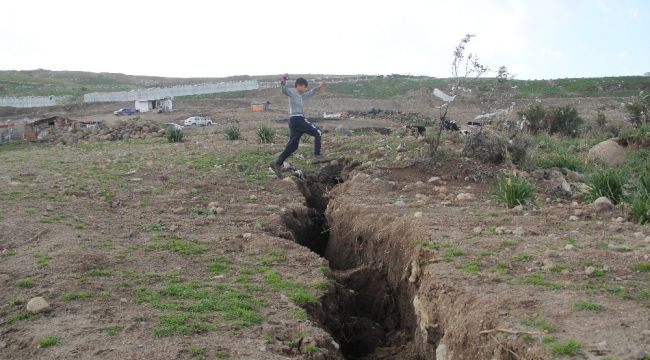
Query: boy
x=298, y=125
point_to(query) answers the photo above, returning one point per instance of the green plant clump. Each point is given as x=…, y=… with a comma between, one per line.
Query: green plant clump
x=514, y=190
x=233, y=133
x=174, y=135
x=608, y=183
x=266, y=134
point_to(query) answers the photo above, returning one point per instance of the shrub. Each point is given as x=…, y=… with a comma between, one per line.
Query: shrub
x=535, y=115
x=233, y=133
x=608, y=183
x=640, y=207
x=265, y=134
x=561, y=159
x=174, y=135
x=514, y=190
x=601, y=119
x=565, y=121
x=639, y=109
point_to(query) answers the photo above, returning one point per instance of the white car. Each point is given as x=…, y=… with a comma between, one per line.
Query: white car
x=197, y=121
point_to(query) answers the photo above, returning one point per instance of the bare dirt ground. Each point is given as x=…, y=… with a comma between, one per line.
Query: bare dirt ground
x=150, y=249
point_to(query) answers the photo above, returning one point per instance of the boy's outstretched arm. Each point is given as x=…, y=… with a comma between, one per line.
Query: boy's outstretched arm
x=312, y=92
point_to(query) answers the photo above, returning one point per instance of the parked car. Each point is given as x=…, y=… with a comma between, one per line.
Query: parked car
x=174, y=125
x=125, y=111
x=197, y=121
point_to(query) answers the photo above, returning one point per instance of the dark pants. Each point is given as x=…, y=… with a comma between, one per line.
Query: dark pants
x=298, y=125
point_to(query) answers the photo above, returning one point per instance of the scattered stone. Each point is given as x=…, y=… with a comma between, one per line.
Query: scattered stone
x=638, y=234
x=253, y=197
x=124, y=300
x=399, y=203
x=418, y=214
x=603, y=204
x=434, y=180
x=608, y=152
x=442, y=352
x=518, y=208
x=247, y=235
x=573, y=176
x=573, y=218
x=568, y=247
x=590, y=270
x=647, y=239
x=577, y=212
x=174, y=227
x=213, y=205
x=37, y=305
x=178, y=210
x=375, y=153
x=465, y=196
x=619, y=220
x=538, y=174
x=220, y=210
x=477, y=230
x=136, y=179
x=547, y=264
x=49, y=207
x=519, y=231
x=500, y=230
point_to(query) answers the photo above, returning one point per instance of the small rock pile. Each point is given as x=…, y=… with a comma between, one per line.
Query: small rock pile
x=121, y=130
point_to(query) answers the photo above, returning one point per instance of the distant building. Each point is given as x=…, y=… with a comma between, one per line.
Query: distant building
x=39, y=129
x=259, y=105
x=161, y=105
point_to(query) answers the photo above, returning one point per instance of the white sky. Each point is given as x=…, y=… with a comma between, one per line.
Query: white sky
x=533, y=38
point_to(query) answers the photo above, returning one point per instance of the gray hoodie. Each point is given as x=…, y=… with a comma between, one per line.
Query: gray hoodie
x=296, y=99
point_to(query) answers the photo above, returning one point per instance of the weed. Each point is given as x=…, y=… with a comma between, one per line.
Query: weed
x=77, y=295
x=538, y=279
x=488, y=252
x=299, y=314
x=514, y=190
x=522, y=257
x=452, y=252
x=15, y=302
x=588, y=306
x=569, y=240
x=642, y=266
x=99, y=272
x=20, y=315
x=429, y=245
x=221, y=355
x=569, y=347
x=325, y=270
x=185, y=247
x=174, y=135
x=26, y=283
x=9, y=253
x=558, y=268
x=196, y=351
x=180, y=324
x=265, y=134
x=275, y=256
x=112, y=329
x=561, y=159
x=42, y=260
x=608, y=183
x=220, y=265
x=527, y=338
x=157, y=226
x=233, y=133
x=472, y=267
x=301, y=296
x=640, y=207
x=52, y=219
x=541, y=324
x=296, y=292
x=105, y=294
x=311, y=348
x=202, y=211
x=47, y=341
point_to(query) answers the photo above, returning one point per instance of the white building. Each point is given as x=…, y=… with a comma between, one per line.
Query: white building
x=162, y=105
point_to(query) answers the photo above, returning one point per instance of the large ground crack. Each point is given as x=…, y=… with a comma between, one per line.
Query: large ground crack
x=360, y=310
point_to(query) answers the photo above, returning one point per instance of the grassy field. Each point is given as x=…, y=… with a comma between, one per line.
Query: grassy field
x=76, y=83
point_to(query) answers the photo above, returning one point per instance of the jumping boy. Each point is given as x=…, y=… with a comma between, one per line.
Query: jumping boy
x=298, y=125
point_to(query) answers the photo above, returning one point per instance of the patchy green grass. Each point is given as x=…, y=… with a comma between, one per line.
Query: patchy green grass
x=539, y=280
x=26, y=283
x=568, y=348
x=196, y=351
x=77, y=295
x=180, y=324
x=471, y=267
x=311, y=348
x=52, y=219
x=112, y=329
x=47, y=341
x=514, y=190
x=202, y=211
x=275, y=256
x=429, y=245
x=299, y=314
x=558, y=268
x=642, y=266
x=20, y=315
x=185, y=247
x=295, y=291
x=541, y=324
x=522, y=257
x=99, y=272
x=42, y=260
x=452, y=252
x=150, y=227
x=588, y=306
x=220, y=265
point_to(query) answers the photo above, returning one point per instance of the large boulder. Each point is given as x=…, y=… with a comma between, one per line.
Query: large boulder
x=608, y=152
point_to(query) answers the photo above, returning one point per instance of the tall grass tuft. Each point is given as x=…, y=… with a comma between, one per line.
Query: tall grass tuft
x=608, y=183
x=266, y=134
x=514, y=190
x=233, y=133
x=174, y=135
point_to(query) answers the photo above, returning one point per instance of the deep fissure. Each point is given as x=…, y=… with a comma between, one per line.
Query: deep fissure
x=360, y=310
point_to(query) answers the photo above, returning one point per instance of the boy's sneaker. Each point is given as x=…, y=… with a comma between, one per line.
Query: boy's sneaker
x=277, y=169
x=317, y=159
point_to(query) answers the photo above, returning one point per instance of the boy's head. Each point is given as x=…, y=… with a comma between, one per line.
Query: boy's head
x=301, y=85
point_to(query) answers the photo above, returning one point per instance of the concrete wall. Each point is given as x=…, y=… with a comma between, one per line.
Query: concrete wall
x=159, y=93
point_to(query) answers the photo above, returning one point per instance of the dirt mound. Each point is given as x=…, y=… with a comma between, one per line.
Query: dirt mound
x=608, y=152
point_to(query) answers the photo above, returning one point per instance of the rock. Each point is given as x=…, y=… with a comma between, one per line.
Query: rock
x=252, y=197
x=568, y=247
x=178, y=210
x=619, y=220
x=37, y=305
x=538, y=174
x=577, y=212
x=442, y=353
x=418, y=214
x=49, y=207
x=519, y=231
x=375, y=153
x=573, y=176
x=465, y=196
x=547, y=264
x=174, y=227
x=573, y=218
x=590, y=270
x=434, y=180
x=213, y=205
x=608, y=152
x=647, y=239
x=603, y=204
x=220, y=210
x=638, y=235
x=477, y=230
x=518, y=208
x=500, y=230
x=247, y=235
x=399, y=203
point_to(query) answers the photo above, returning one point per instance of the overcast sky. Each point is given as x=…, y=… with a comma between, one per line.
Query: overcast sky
x=533, y=38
